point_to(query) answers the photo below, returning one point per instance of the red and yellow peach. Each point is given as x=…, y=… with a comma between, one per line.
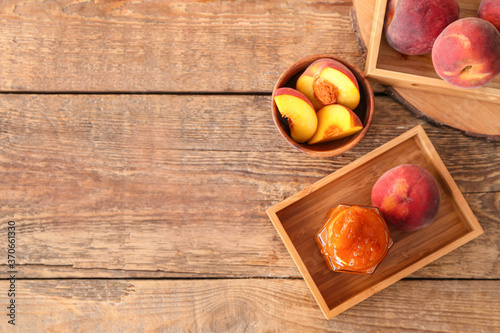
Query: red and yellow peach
x=467, y=53
x=414, y=25
x=407, y=196
x=335, y=122
x=489, y=10
x=327, y=81
x=299, y=111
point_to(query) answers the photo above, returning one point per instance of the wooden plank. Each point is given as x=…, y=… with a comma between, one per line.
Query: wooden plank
x=476, y=260
x=253, y=305
x=114, y=130
x=173, y=186
x=209, y=46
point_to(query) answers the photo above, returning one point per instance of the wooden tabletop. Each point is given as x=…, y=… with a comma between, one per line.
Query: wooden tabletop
x=138, y=157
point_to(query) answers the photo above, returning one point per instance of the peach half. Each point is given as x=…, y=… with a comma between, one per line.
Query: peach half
x=299, y=112
x=327, y=81
x=335, y=122
x=467, y=53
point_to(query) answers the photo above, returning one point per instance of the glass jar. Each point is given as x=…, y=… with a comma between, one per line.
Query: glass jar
x=354, y=239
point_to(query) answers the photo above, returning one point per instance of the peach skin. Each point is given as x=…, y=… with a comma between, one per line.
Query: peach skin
x=327, y=81
x=467, y=53
x=489, y=10
x=389, y=12
x=407, y=196
x=335, y=122
x=416, y=24
x=300, y=113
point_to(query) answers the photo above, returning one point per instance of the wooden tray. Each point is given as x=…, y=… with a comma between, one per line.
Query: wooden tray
x=388, y=66
x=472, y=116
x=298, y=218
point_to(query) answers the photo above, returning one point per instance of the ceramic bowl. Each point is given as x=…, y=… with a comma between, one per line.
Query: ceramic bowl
x=364, y=110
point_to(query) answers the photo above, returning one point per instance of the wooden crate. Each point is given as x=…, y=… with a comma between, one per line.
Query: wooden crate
x=389, y=66
x=298, y=218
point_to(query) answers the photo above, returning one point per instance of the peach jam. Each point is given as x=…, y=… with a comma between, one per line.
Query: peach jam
x=354, y=239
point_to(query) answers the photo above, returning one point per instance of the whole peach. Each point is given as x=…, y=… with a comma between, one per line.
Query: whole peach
x=467, y=53
x=489, y=10
x=407, y=196
x=390, y=9
x=416, y=24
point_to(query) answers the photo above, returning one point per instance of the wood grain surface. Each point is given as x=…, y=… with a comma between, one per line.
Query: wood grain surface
x=254, y=305
x=163, y=185
x=173, y=46
x=138, y=157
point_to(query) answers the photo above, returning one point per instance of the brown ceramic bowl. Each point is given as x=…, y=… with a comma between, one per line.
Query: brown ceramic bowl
x=364, y=110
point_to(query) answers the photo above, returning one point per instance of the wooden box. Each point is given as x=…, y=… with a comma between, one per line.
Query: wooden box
x=298, y=218
x=388, y=66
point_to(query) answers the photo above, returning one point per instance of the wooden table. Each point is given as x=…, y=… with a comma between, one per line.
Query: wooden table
x=138, y=157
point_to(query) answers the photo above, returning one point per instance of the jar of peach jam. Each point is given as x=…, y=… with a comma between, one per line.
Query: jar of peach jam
x=354, y=239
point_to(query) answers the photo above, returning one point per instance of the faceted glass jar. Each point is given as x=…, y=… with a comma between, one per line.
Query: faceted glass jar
x=354, y=239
